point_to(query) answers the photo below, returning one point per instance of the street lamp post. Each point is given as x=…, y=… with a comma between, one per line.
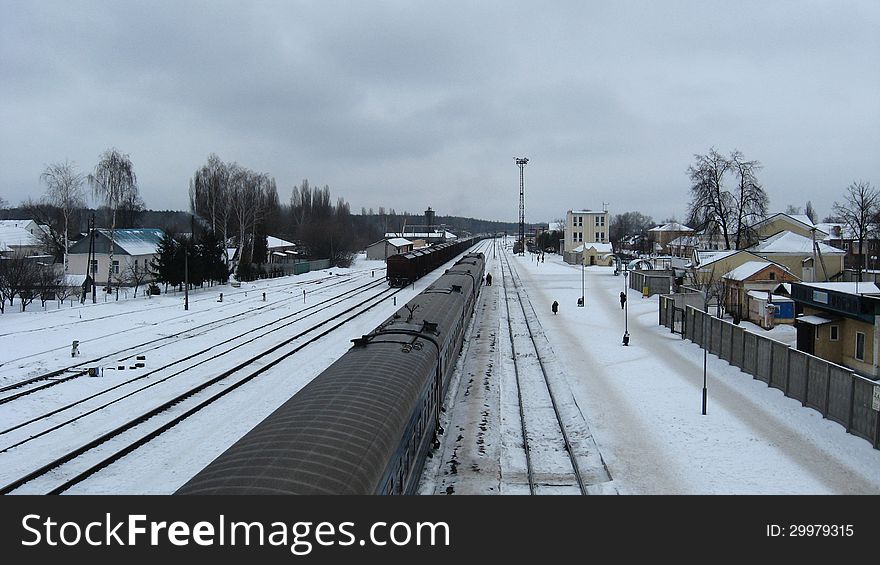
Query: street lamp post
x=583, y=285
x=625, y=310
x=705, y=349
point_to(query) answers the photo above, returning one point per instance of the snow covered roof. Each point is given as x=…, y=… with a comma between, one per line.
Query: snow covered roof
x=142, y=241
x=814, y=320
x=73, y=280
x=762, y=295
x=707, y=257
x=748, y=269
x=23, y=224
x=423, y=235
x=399, y=241
x=846, y=287
x=273, y=242
x=836, y=230
x=599, y=247
x=588, y=211
x=790, y=242
x=672, y=226
x=13, y=235
x=795, y=218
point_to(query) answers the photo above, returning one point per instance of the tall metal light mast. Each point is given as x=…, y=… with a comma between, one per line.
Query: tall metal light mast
x=521, y=163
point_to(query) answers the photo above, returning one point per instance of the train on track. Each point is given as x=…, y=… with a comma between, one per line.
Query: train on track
x=405, y=268
x=366, y=424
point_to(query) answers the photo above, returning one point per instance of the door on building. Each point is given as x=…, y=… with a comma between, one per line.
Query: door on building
x=806, y=337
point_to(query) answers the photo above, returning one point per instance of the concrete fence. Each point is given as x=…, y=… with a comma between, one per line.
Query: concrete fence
x=836, y=392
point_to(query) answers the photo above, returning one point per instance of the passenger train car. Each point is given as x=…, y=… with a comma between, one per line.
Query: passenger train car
x=364, y=425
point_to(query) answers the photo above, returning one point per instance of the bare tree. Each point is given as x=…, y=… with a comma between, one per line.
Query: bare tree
x=209, y=194
x=64, y=189
x=711, y=204
x=49, y=215
x=135, y=276
x=21, y=277
x=49, y=283
x=715, y=207
x=859, y=210
x=750, y=200
x=114, y=181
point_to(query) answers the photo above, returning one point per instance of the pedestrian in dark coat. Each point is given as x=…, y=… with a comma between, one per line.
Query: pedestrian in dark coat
x=488, y=279
x=555, y=307
x=622, y=299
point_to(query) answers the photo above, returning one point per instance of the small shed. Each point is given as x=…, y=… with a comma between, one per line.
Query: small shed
x=385, y=248
x=767, y=309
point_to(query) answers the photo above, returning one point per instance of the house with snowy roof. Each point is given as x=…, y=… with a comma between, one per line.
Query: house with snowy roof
x=749, y=288
x=281, y=251
x=661, y=236
x=385, y=248
x=133, y=251
x=798, y=254
x=838, y=322
x=709, y=266
x=800, y=224
x=17, y=239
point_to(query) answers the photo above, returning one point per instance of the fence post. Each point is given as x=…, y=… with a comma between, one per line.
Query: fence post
x=852, y=402
x=827, y=393
x=806, y=383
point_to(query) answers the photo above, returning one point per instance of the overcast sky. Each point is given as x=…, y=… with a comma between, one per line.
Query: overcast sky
x=414, y=104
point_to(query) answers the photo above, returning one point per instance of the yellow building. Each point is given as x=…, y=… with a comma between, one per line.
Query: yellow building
x=797, y=253
x=840, y=323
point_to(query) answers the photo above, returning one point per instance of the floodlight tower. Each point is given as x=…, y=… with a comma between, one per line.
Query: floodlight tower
x=521, y=163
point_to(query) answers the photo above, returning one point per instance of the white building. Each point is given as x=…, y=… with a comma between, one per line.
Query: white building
x=385, y=248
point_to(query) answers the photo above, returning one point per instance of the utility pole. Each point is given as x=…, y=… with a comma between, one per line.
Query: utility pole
x=92, y=256
x=521, y=163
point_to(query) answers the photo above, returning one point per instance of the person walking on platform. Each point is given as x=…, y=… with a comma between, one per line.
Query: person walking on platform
x=488, y=279
x=555, y=307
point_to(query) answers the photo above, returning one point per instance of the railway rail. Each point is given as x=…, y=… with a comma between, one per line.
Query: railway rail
x=75, y=466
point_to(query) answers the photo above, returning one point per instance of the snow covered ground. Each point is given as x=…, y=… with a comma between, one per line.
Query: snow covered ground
x=643, y=402
x=111, y=333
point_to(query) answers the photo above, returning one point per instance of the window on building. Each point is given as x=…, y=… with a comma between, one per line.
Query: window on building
x=834, y=334
x=580, y=221
x=860, y=346
x=115, y=267
x=772, y=276
x=95, y=266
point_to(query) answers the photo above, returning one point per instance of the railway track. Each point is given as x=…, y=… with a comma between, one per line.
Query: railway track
x=73, y=467
x=551, y=466
x=70, y=372
x=180, y=366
